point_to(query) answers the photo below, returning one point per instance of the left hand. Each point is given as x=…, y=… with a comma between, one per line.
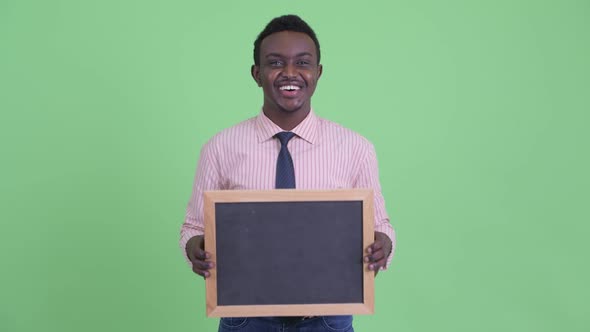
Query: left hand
x=378, y=252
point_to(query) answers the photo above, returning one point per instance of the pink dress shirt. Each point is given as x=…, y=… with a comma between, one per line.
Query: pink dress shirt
x=325, y=156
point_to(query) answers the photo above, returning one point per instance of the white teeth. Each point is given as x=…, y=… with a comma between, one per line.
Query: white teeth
x=289, y=87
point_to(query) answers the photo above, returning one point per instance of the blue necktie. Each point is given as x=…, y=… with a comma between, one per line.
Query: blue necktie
x=285, y=172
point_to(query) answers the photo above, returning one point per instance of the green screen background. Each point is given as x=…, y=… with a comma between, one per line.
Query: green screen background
x=478, y=111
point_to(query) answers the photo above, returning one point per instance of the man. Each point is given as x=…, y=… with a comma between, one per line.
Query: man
x=310, y=153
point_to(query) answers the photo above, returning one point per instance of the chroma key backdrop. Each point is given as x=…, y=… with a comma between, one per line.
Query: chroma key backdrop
x=478, y=110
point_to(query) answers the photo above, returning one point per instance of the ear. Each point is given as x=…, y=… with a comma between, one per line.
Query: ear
x=255, y=71
x=320, y=70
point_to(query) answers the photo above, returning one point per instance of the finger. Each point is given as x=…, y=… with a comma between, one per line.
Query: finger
x=377, y=255
x=368, y=258
x=374, y=254
x=378, y=264
x=203, y=265
x=204, y=255
x=377, y=245
x=203, y=273
x=202, y=268
x=201, y=254
x=370, y=250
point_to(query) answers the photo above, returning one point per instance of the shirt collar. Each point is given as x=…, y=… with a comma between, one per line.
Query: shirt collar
x=266, y=129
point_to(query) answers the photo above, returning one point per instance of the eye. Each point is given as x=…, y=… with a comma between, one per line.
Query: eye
x=275, y=63
x=303, y=63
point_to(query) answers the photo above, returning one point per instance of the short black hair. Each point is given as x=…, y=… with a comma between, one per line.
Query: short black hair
x=285, y=23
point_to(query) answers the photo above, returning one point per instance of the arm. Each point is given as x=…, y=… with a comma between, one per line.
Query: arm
x=191, y=234
x=380, y=253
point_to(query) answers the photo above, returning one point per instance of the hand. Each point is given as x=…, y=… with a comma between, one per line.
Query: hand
x=378, y=252
x=198, y=256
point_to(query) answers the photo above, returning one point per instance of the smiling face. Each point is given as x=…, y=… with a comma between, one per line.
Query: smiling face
x=288, y=74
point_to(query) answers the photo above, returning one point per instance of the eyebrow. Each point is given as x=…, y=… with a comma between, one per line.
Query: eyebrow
x=280, y=55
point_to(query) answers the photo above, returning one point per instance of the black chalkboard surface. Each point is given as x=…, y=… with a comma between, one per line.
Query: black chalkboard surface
x=288, y=252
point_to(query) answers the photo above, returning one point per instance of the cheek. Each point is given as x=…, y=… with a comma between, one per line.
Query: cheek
x=312, y=80
x=268, y=80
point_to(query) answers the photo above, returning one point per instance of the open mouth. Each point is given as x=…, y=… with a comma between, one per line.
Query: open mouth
x=289, y=90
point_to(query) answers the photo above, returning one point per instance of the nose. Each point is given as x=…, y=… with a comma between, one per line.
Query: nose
x=289, y=70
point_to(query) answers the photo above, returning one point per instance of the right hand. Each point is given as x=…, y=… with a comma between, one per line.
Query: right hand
x=195, y=250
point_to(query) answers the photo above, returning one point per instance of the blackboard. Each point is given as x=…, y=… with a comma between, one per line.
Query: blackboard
x=288, y=252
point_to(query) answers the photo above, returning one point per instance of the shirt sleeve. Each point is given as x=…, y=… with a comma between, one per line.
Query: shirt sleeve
x=369, y=178
x=207, y=177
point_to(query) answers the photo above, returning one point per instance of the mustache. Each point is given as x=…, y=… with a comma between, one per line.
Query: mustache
x=290, y=82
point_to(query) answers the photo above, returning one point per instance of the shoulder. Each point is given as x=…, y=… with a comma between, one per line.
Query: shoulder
x=240, y=133
x=335, y=132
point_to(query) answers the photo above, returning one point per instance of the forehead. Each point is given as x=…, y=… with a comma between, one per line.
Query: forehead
x=287, y=43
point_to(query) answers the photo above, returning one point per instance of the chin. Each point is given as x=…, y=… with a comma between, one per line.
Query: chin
x=292, y=108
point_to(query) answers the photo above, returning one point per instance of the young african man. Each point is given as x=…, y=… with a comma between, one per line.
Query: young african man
x=324, y=155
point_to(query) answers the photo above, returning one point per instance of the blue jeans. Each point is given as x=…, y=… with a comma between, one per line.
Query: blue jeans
x=287, y=324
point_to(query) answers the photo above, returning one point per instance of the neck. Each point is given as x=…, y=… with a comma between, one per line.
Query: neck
x=286, y=120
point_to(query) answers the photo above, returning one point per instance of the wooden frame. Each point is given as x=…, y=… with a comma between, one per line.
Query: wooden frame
x=211, y=198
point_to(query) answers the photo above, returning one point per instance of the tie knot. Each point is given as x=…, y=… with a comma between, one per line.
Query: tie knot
x=284, y=137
